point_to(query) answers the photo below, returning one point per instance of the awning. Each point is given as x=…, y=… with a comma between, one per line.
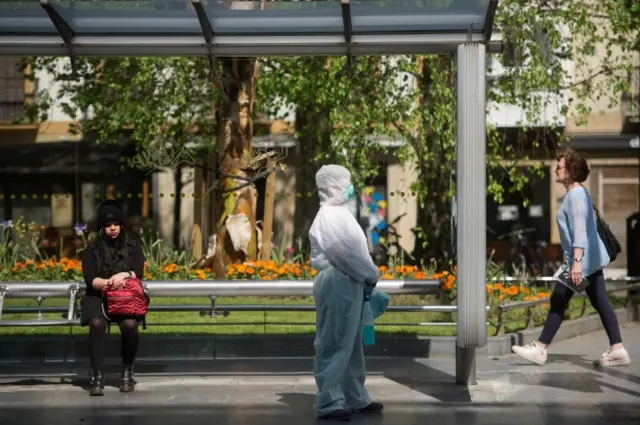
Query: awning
x=242, y=28
x=86, y=157
x=604, y=141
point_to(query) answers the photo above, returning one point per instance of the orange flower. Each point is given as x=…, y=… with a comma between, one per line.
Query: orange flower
x=201, y=275
x=170, y=268
x=513, y=290
x=447, y=285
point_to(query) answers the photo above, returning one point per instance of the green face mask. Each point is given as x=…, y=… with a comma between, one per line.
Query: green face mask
x=350, y=192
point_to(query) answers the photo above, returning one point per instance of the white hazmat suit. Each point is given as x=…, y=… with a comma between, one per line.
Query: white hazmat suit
x=339, y=252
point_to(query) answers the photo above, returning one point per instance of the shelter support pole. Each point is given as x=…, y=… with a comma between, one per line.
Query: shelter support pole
x=207, y=33
x=64, y=31
x=471, y=211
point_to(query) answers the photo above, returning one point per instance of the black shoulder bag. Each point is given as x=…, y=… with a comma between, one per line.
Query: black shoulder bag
x=606, y=235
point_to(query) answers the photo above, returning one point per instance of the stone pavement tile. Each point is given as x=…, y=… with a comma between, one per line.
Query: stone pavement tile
x=259, y=414
x=567, y=390
x=224, y=400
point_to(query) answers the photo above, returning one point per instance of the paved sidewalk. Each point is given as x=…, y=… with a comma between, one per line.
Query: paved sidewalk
x=567, y=390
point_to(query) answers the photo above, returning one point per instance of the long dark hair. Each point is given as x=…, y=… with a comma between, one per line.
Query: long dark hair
x=111, y=254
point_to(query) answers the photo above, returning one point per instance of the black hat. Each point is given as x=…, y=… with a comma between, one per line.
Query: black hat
x=110, y=211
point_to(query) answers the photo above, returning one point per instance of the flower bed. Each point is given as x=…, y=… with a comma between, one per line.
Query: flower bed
x=71, y=270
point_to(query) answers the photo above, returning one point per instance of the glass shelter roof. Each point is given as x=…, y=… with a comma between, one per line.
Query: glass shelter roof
x=241, y=28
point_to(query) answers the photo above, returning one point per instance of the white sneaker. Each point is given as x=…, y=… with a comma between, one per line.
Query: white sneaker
x=532, y=352
x=619, y=357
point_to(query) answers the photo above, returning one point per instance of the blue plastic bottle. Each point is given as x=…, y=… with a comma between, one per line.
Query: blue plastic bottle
x=368, y=330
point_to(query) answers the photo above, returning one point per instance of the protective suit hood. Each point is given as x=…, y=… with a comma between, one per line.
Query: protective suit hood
x=334, y=185
x=336, y=237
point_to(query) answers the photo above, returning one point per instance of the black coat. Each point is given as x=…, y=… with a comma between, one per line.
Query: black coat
x=91, y=302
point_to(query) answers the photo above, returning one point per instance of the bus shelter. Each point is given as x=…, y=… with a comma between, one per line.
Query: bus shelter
x=223, y=28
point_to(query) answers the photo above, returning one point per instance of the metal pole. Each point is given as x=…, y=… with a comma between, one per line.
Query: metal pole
x=471, y=212
x=3, y=291
x=204, y=288
x=465, y=366
x=72, y=301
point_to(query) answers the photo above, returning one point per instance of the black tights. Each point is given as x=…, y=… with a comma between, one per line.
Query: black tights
x=597, y=293
x=97, y=335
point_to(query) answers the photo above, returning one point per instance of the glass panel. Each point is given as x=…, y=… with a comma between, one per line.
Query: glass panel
x=150, y=17
x=280, y=17
x=374, y=16
x=25, y=17
x=162, y=17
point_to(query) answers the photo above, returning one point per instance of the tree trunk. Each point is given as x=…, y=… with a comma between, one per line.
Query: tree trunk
x=177, y=205
x=434, y=218
x=434, y=215
x=234, y=200
x=314, y=130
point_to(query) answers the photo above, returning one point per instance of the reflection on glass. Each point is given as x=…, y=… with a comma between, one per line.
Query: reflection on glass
x=416, y=15
x=275, y=17
x=89, y=17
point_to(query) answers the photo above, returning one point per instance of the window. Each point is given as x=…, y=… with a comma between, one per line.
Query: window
x=12, y=92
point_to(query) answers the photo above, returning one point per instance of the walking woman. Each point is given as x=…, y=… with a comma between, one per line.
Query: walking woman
x=108, y=261
x=586, y=256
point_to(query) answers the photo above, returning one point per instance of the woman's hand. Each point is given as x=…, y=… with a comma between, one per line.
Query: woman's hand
x=116, y=284
x=576, y=273
x=117, y=280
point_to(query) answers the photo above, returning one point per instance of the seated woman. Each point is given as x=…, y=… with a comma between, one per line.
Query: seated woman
x=340, y=253
x=109, y=260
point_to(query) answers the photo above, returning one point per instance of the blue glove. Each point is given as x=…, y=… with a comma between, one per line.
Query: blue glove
x=368, y=290
x=379, y=302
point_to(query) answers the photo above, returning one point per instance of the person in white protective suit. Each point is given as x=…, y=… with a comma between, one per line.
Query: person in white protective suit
x=347, y=274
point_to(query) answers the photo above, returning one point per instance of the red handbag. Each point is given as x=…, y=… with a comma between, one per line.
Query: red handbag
x=130, y=301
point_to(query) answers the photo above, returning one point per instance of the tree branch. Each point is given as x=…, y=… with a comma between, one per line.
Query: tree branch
x=604, y=71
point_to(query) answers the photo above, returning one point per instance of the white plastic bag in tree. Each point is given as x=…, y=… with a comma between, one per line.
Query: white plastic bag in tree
x=239, y=228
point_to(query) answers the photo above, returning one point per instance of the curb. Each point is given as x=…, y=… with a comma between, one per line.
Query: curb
x=153, y=348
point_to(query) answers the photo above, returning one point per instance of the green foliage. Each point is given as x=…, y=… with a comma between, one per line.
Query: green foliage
x=344, y=102
x=18, y=243
x=163, y=104
x=562, y=54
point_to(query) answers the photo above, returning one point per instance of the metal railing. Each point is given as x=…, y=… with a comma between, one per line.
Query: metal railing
x=210, y=289
x=39, y=291
x=549, y=279
x=621, y=284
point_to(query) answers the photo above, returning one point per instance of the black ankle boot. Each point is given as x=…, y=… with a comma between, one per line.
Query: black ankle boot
x=96, y=387
x=127, y=383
